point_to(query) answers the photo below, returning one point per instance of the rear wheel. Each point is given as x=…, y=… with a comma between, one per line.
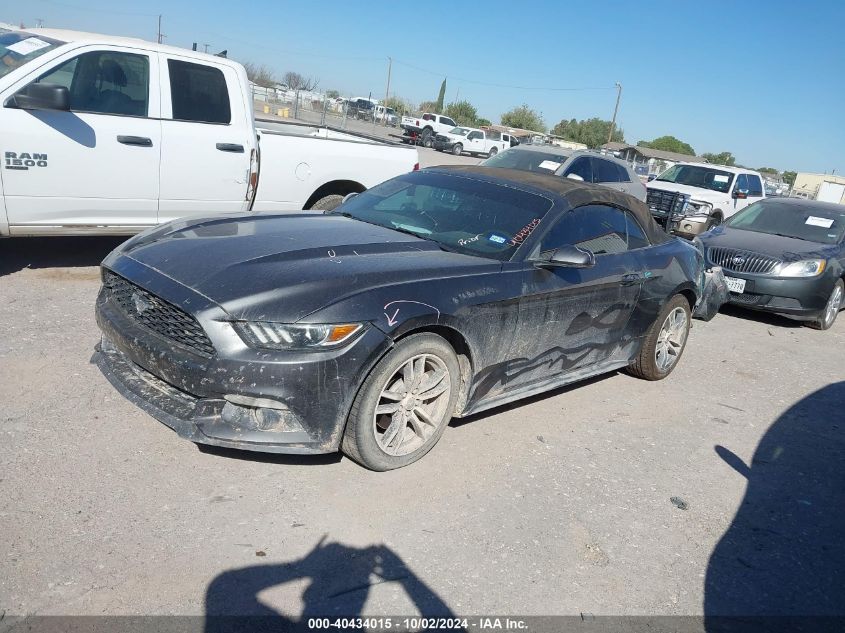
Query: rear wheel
x=665, y=342
x=328, y=203
x=831, y=310
x=458, y=149
x=404, y=405
x=427, y=140
x=493, y=152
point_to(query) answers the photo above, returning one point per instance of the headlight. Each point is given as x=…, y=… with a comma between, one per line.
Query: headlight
x=267, y=335
x=699, y=208
x=806, y=268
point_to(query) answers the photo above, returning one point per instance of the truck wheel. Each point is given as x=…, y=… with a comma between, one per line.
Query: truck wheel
x=404, y=405
x=427, y=141
x=831, y=310
x=458, y=149
x=665, y=342
x=493, y=151
x=714, y=221
x=328, y=203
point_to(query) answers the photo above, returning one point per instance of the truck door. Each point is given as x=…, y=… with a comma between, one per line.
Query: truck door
x=207, y=137
x=95, y=164
x=475, y=142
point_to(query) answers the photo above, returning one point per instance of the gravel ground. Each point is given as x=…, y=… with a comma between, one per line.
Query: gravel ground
x=606, y=498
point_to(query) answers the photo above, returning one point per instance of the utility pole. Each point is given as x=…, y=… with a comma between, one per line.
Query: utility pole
x=39, y=23
x=387, y=91
x=206, y=47
x=615, y=110
x=158, y=39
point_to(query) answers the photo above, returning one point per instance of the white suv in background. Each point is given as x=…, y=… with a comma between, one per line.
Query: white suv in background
x=691, y=198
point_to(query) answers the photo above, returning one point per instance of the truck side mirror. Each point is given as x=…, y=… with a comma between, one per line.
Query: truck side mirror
x=38, y=96
x=740, y=194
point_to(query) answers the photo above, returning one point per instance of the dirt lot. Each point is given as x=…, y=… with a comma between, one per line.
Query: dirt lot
x=611, y=497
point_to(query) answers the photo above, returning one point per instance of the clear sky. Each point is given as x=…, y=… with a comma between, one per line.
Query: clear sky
x=762, y=79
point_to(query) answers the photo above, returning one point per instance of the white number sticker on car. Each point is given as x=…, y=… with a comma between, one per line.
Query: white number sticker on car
x=735, y=285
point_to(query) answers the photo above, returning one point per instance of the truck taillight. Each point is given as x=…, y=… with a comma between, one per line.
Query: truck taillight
x=418, y=123
x=416, y=167
x=252, y=187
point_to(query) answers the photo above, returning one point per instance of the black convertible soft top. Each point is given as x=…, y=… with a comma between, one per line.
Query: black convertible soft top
x=574, y=192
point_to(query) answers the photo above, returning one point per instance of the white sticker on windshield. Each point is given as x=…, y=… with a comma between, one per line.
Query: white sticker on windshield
x=27, y=46
x=549, y=164
x=720, y=178
x=822, y=222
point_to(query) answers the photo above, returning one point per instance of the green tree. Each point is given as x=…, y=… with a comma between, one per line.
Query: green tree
x=400, y=105
x=482, y=122
x=768, y=170
x=591, y=132
x=332, y=94
x=525, y=118
x=463, y=112
x=441, y=97
x=789, y=177
x=428, y=106
x=722, y=158
x=668, y=144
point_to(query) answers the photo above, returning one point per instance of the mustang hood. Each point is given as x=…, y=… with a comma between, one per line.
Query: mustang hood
x=286, y=267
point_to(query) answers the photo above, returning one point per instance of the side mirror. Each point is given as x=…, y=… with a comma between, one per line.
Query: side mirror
x=37, y=96
x=575, y=177
x=651, y=177
x=569, y=257
x=740, y=194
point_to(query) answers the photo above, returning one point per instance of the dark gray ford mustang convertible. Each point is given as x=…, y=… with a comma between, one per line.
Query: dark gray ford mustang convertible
x=439, y=293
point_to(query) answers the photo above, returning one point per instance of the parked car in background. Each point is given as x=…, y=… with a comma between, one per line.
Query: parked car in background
x=690, y=198
x=105, y=134
x=580, y=165
x=360, y=108
x=471, y=141
x=424, y=127
x=383, y=114
x=783, y=255
x=367, y=329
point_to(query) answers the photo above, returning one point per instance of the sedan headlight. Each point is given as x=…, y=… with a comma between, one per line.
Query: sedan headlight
x=806, y=268
x=299, y=336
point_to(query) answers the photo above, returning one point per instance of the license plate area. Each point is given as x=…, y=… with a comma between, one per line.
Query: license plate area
x=735, y=285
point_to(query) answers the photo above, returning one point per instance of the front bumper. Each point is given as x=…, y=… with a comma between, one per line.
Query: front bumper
x=802, y=298
x=258, y=400
x=688, y=226
x=445, y=146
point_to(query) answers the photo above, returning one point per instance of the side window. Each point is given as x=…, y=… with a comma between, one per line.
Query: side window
x=448, y=121
x=474, y=135
x=742, y=183
x=622, y=173
x=198, y=93
x=604, y=171
x=636, y=235
x=597, y=228
x=755, y=187
x=105, y=82
x=581, y=166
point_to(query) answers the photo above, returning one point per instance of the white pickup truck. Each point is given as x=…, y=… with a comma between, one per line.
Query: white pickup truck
x=472, y=141
x=113, y=135
x=424, y=127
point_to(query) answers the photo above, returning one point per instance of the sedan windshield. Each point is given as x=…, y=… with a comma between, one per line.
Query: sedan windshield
x=18, y=48
x=527, y=160
x=695, y=176
x=812, y=222
x=459, y=213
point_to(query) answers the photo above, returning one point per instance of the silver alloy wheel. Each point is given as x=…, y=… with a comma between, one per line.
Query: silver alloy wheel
x=833, y=305
x=412, y=405
x=670, y=341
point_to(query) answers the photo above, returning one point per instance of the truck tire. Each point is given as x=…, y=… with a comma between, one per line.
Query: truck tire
x=458, y=149
x=328, y=203
x=665, y=341
x=714, y=221
x=493, y=151
x=427, y=141
x=413, y=416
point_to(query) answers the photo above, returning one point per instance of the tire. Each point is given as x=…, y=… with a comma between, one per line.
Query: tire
x=458, y=149
x=493, y=151
x=366, y=438
x=427, y=141
x=714, y=221
x=328, y=203
x=646, y=364
x=831, y=309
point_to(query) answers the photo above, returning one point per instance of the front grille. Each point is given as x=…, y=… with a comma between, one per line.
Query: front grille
x=750, y=299
x=441, y=138
x=157, y=315
x=742, y=261
x=664, y=203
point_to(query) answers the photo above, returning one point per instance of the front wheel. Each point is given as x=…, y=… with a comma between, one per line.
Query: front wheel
x=831, y=310
x=458, y=149
x=328, y=203
x=665, y=342
x=404, y=405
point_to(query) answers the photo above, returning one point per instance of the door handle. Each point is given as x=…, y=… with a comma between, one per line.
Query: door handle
x=141, y=141
x=230, y=147
x=631, y=279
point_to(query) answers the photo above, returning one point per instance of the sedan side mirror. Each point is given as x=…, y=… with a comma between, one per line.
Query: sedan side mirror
x=740, y=194
x=569, y=257
x=38, y=96
x=575, y=177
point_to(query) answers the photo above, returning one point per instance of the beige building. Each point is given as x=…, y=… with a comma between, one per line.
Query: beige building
x=825, y=187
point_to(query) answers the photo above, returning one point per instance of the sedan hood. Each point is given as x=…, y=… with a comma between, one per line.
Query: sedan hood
x=789, y=249
x=697, y=193
x=283, y=268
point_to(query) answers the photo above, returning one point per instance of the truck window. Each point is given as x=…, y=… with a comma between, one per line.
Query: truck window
x=447, y=121
x=475, y=135
x=198, y=93
x=105, y=82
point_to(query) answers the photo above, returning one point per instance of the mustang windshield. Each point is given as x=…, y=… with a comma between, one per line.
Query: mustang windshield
x=695, y=176
x=811, y=223
x=18, y=47
x=460, y=214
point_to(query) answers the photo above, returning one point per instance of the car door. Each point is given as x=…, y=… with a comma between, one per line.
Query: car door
x=475, y=142
x=99, y=160
x=206, y=140
x=572, y=318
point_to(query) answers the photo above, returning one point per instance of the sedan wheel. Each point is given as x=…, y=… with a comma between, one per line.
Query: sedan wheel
x=665, y=341
x=671, y=340
x=831, y=310
x=404, y=405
